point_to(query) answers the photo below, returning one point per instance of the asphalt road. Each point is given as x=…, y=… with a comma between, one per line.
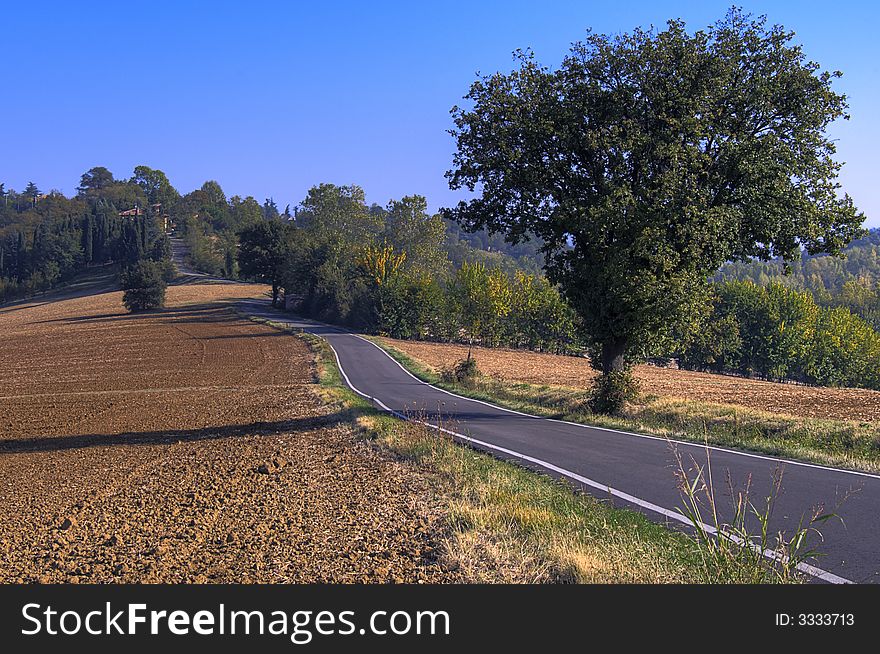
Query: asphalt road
x=629, y=469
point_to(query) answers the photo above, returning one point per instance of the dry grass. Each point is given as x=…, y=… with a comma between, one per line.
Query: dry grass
x=511, y=525
x=519, y=366
x=841, y=443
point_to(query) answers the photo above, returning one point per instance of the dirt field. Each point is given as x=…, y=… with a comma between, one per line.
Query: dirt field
x=187, y=446
x=535, y=368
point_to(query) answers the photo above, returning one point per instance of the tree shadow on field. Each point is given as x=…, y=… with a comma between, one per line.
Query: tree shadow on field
x=214, y=312
x=169, y=436
x=91, y=284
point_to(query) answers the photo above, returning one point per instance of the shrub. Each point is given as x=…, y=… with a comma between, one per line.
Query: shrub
x=169, y=270
x=464, y=372
x=611, y=391
x=144, y=285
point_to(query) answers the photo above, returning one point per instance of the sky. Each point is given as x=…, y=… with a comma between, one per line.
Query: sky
x=271, y=98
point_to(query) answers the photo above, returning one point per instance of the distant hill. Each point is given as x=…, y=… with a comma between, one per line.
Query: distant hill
x=492, y=249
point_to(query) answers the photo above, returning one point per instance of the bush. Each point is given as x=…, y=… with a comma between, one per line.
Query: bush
x=611, y=391
x=169, y=270
x=144, y=285
x=464, y=372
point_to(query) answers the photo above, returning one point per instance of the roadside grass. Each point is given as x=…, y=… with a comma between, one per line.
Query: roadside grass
x=839, y=443
x=508, y=524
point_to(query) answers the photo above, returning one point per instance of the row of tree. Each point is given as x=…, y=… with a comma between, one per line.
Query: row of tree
x=388, y=270
x=780, y=333
x=851, y=281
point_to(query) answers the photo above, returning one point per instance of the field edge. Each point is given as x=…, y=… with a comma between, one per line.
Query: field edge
x=841, y=444
x=517, y=525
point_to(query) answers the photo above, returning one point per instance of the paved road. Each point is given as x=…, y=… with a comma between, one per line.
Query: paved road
x=632, y=470
x=186, y=274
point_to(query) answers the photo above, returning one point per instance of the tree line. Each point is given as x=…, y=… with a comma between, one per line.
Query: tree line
x=780, y=333
x=46, y=239
x=388, y=270
x=851, y=281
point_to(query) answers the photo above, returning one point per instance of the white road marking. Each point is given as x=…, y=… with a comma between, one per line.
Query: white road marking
x=806, y=568
x=701, y=446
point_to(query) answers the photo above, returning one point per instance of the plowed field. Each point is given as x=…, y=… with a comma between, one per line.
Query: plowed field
x=186, y=445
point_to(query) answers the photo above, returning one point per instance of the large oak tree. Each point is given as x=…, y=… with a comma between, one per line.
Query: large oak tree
x=646, y=160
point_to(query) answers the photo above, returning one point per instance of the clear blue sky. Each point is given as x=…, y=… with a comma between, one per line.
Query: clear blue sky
x=270, y=98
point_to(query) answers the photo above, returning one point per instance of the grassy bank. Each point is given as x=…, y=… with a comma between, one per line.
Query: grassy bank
x=840, y=443
x=509, y=524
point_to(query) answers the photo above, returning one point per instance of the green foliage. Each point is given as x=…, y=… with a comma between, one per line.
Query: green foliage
x=45, y=240
x=390, y=275
x=338, y=215
x=94, y=181
x=776, y=332
x=539, y=318
x=845, y=351
x=482, y=298
x=144, y=286
x=746, y=543
x=409, y=228
x=851, y=280
x=715, y=347
x=412, y=307
x=155, y=186
x=263, y=252
x=492, y=249
x=612, y=391
x=646, y=160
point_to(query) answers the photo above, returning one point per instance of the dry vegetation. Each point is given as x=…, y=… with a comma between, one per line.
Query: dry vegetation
x=188, y=445
x=511, y=525
x=520, y=366
x=508, y=524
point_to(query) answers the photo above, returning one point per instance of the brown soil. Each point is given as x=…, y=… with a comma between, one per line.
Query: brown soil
x=187, y=445
x=550, y=369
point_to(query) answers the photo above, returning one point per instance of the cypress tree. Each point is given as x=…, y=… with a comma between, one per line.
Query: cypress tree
x=88, y=239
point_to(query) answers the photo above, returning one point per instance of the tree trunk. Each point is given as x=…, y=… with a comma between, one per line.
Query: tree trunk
x=274, y=294
x=612, y=356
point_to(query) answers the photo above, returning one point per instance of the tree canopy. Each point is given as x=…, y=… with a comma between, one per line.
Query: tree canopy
x=94, y=180
x=263, y=252
x=648, y=159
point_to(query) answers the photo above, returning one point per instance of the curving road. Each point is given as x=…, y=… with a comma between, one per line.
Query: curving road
x=630, y=469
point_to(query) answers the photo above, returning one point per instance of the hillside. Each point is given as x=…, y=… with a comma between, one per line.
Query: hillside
x=819, y=273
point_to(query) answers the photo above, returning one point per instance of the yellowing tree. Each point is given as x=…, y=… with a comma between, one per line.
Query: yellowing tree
x=482, y=297
x=381, y=263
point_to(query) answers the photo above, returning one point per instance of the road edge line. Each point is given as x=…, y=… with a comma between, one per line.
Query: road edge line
x=806, y=568
x=702, y=446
